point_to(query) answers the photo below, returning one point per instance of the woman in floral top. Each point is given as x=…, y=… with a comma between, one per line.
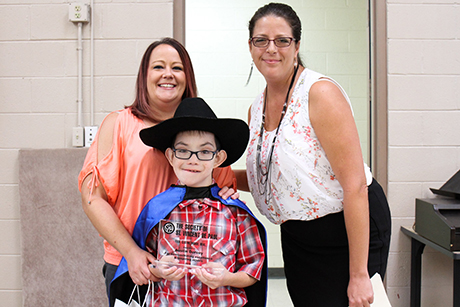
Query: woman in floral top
x=306, y=172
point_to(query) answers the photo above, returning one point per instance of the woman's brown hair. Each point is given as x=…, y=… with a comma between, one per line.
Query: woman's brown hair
x=279, y=10
x=140, y=106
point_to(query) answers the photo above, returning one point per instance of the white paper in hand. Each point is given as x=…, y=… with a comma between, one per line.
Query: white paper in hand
x=380, y=295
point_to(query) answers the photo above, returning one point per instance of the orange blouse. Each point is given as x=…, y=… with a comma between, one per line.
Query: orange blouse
x=132, y=173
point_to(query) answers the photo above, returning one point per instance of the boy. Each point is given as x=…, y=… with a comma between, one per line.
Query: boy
x=214, y=247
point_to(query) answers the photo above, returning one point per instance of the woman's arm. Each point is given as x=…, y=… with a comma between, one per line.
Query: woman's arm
x=106, y=221
x=333, y=122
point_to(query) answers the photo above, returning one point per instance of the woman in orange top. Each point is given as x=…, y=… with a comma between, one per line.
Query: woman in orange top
x=116, y=180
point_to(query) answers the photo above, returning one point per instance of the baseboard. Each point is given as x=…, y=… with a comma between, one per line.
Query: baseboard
x=276, y=273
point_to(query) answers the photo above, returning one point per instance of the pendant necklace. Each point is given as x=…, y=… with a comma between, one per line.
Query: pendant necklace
x=263, y=177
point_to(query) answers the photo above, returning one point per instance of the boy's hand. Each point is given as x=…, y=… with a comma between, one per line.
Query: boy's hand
x=167, y=271
x=218, y=278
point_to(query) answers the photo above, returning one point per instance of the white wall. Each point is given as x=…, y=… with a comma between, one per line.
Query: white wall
x=334, y=42
x=424, y=131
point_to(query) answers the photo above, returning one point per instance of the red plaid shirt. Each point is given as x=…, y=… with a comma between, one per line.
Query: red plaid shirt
x=238, y=247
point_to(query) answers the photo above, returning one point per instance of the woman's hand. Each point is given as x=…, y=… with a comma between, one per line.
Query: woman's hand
x=360, y=292
x=167, y=271
x=138, y=266
x=227, y=192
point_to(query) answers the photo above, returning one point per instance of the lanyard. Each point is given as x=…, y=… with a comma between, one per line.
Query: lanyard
x=263, y=177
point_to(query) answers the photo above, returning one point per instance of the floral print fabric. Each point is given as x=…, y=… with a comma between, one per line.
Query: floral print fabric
x=301, y=184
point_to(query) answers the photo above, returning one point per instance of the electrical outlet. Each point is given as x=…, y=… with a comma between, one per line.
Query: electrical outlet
x=79, y=12
x=77, y=137
x=90, y=134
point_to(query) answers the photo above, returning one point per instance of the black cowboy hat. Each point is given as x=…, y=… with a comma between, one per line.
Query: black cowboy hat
x=195, y=114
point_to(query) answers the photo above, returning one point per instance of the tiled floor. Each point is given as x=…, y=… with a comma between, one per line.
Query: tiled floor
x=277, y=293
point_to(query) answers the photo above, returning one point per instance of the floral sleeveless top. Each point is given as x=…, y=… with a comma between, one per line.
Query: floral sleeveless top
x=300, y=184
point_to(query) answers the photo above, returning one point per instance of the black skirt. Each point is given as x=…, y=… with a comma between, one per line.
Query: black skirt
x=316, y=258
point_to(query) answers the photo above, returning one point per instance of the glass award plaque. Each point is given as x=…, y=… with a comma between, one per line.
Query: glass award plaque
x=192, y=245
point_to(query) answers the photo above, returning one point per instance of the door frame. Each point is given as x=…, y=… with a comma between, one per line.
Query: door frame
x=379, y=91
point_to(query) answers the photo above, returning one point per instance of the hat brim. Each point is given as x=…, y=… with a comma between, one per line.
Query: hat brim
x=233, y=134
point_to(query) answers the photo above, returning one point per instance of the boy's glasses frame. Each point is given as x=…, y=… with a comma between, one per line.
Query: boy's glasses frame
x=202, y=155
x=280, y=42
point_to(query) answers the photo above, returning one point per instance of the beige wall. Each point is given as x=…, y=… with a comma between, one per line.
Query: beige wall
x=424, y=130
x=38, y=89
x=38, y=106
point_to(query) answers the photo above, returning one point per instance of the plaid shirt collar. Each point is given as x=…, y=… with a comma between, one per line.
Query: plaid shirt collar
x=200, y=196
x=202, y=201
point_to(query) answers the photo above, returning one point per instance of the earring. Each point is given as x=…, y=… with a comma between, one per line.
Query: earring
x=250, y=73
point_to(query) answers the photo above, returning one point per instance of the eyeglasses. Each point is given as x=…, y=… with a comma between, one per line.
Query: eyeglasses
x=203, y=155
x=281, y=42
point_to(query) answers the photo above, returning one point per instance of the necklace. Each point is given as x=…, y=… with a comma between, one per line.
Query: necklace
x=263, y=177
